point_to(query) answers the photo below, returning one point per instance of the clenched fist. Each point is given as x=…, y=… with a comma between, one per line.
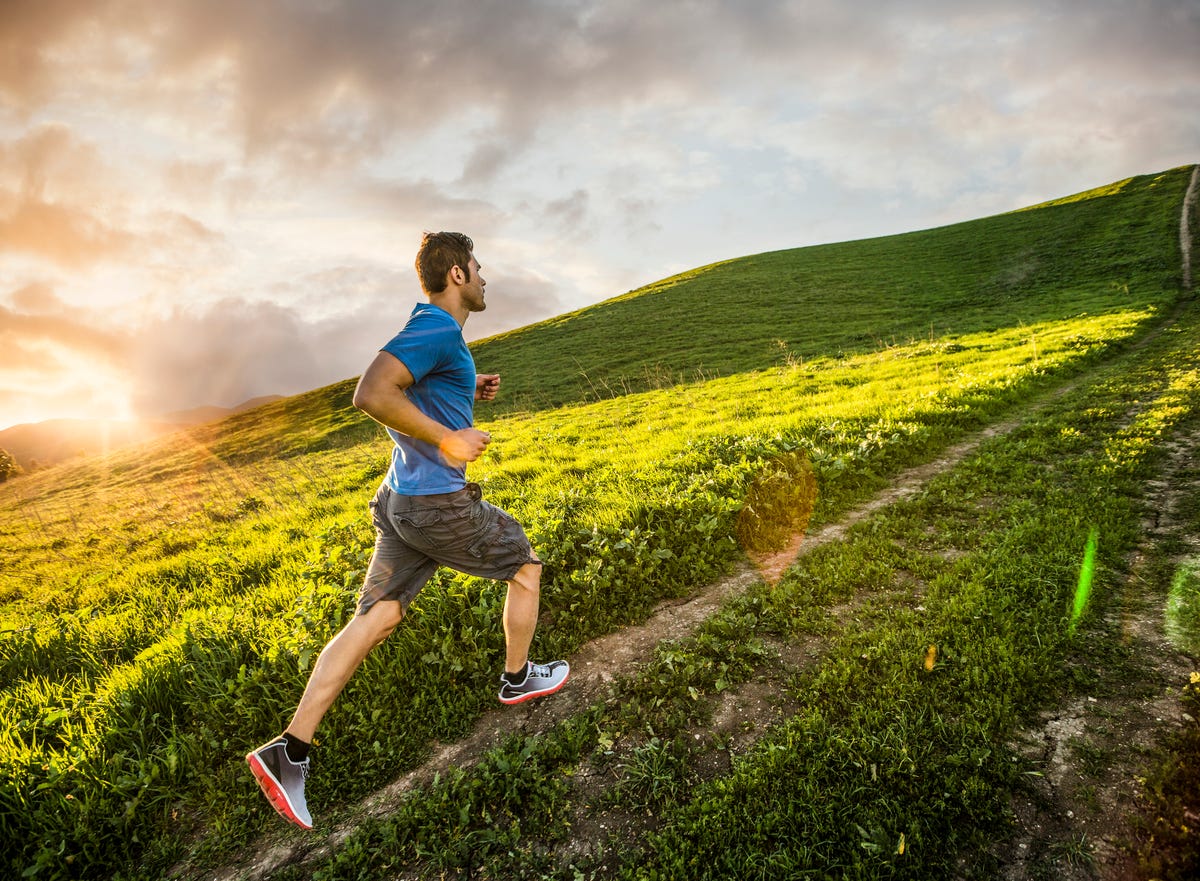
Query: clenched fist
x=463, y=446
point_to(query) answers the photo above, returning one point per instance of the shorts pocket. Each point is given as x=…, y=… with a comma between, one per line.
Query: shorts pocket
x=440, y=529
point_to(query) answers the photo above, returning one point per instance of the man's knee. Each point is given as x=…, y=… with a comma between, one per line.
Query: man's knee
x=382, y=619
x=529, y=577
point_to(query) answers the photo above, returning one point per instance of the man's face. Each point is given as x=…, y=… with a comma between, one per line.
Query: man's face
x=472, y=291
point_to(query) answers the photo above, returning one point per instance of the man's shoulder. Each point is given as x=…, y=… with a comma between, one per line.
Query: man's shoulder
x=430, y=340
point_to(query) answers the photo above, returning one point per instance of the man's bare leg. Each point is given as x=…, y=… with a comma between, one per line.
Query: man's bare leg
x=337, y=662
x=520, y=615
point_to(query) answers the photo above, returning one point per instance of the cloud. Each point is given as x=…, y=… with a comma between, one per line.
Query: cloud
x=221, y=355
x=229, y=351
x=334, y=84
x=55, y=359
x=569, y=213
x=426, y=205
x=51, y=328
x=63, y=235
x=485, y=162
x=31, y=30
x=224, y=355
x=337, y=82
x=39, y=174
x=238, y=350
x=61, y=202
x=515, y=297
x=37, y=297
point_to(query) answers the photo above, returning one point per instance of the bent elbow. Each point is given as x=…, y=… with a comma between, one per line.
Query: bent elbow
x=364, y=399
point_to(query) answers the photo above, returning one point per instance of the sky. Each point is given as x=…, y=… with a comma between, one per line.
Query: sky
x=203, y=201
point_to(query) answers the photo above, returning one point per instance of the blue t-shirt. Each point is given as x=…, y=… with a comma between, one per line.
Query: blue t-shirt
x=432, y=347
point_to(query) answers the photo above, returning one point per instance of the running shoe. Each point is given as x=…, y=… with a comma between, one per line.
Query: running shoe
x=540, y=679
x=282, y=781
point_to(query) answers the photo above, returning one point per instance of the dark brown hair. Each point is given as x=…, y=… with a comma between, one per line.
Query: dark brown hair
x=438, y=254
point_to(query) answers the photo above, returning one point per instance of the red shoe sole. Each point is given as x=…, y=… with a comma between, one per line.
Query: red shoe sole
x=272, y=791
x=529, y=697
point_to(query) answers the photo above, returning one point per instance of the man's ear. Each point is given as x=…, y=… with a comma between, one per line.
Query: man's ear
x=456, y=274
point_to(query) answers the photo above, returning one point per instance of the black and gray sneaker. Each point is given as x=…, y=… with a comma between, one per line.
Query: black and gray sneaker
x=539, y=679
x=282, y=781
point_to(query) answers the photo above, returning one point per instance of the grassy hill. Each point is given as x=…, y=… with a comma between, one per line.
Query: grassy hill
x=162, y=605
x=41, y=444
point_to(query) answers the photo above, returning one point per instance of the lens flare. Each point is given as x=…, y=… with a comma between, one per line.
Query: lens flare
x=773, y=520
x=1086, y=570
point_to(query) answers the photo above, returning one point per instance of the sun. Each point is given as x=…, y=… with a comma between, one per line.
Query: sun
x=79, y=387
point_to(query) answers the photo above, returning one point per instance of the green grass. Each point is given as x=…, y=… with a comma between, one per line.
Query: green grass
x=1183, y=607
x=164, y=605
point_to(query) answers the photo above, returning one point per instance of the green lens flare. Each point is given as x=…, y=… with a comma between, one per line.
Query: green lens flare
x=1086, y=571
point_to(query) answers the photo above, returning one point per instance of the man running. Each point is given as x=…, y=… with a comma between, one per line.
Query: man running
x=422, y=387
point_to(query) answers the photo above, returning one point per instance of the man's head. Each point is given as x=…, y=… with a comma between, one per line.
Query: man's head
x=439, y=253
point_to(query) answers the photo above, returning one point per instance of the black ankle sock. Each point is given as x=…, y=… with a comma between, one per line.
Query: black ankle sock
x=296, y=749
x=518, y=677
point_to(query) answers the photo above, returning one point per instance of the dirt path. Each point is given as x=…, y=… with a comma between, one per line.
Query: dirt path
x=1077, y=818
x=1185, y=228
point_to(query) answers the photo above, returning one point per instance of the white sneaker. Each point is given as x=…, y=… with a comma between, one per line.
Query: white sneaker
x=282, y=781
x=540, y=679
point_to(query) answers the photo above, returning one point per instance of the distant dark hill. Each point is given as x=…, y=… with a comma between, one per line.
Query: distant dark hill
x=200, y=415
x=46, y=443
x=40, y=444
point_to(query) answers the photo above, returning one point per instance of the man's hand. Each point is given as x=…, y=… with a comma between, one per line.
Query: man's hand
x=463, y=446
x=486, y=386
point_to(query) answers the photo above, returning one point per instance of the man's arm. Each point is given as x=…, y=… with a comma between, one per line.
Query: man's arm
x=380, y=394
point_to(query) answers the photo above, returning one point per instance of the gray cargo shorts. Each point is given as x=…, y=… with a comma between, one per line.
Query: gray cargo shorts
x=416, y=534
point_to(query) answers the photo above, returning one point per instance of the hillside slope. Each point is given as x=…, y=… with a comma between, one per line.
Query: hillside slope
x=1070, y=255
x=1115, y=247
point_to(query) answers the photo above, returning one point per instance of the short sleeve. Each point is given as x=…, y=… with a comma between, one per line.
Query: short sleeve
x=423, y=345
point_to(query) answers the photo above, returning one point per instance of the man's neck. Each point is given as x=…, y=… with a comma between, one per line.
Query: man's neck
x=451, y=304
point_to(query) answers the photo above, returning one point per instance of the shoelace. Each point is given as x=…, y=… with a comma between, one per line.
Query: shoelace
x=539, y=670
